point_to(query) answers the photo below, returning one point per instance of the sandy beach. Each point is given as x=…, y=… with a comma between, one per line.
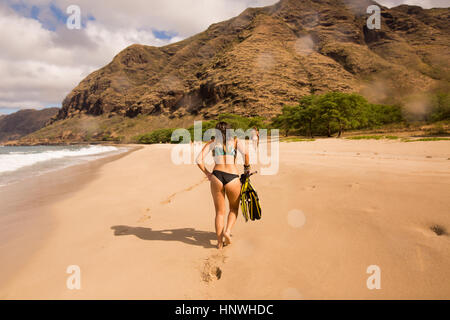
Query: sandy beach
x=140, y=227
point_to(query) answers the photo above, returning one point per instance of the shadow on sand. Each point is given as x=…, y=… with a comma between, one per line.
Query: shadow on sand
x=185, y=235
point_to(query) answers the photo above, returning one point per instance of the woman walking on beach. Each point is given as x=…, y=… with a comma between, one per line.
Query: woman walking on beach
x=255, y=137
x=224, y=178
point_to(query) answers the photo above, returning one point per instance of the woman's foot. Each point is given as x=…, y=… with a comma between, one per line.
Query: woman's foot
x=220, y=243
x=227, y=238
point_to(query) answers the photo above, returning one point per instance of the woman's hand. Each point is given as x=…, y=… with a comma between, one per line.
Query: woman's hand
x=208, y=175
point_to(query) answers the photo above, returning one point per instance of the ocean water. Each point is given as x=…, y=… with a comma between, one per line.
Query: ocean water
x=19, y=163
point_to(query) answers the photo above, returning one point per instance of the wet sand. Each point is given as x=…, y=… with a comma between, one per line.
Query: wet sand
x=26, y=218
x=143, y=228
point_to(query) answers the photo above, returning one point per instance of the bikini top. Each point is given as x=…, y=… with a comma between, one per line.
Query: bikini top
x=219, y=150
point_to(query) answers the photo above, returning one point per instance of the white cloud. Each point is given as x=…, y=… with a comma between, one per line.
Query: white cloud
x=39, y=65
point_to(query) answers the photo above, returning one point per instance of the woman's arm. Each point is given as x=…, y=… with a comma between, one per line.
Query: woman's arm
x=201, y=159
x=243, y=149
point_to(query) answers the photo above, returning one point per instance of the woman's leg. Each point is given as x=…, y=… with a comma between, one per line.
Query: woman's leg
x=218, y=194
x=233, y=191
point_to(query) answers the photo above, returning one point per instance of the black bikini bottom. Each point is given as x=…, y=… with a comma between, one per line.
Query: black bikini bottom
x=225, y=177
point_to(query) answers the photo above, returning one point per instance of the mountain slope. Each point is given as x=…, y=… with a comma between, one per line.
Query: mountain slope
x=23, y=122
x=267, y=57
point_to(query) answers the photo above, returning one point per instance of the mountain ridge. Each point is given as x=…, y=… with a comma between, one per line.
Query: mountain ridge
x=18, y=124
x=267, y=57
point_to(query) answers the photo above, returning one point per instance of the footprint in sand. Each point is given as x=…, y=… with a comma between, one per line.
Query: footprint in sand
x=371, y=209
x=211, y=269
x=173, y=195
x=168, y=200
x=438, y=230
x=310, y=188
x=145, y=217
x=434, y=230
x=355, y=186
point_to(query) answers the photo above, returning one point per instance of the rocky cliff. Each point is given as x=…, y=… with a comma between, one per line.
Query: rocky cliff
x=266, y=57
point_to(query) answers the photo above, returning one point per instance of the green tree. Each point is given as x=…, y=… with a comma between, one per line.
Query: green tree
x=308, y=113
x=157, y=136
x=441, y=107
x=334, y=112
x=288, y=119
x=328, y=113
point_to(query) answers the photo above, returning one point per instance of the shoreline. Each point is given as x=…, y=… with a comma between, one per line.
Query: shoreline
x=32, y=213
x=75, y=143
x=416, y=129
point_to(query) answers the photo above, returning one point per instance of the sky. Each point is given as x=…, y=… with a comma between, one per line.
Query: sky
x=41, y=60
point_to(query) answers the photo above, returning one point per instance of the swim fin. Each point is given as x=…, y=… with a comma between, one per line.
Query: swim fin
x=251, y=208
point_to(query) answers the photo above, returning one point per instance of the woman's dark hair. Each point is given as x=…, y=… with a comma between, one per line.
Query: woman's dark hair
x=222, y=127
